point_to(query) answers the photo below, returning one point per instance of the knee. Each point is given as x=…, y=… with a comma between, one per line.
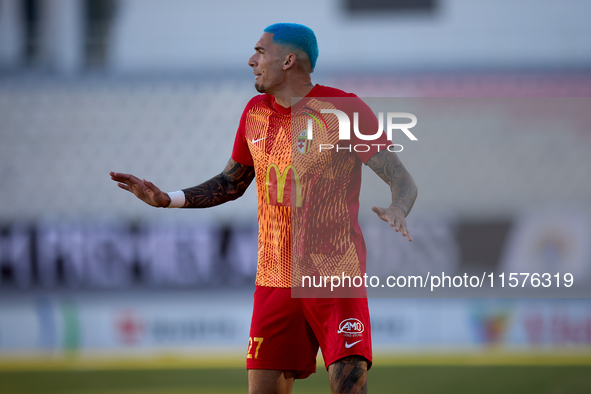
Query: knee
x=262, y=381
x=348, y=375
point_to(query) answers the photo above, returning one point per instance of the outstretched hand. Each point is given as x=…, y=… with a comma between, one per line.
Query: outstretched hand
x=142, y=189
x=395, y=218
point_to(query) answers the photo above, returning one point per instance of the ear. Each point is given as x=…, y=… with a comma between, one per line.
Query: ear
x=289, y=61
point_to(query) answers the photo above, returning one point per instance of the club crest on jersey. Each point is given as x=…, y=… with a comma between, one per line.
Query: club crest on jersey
x=303, y=143
x=351, y=328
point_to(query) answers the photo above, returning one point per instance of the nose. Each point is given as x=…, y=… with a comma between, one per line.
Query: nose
x=251, y=61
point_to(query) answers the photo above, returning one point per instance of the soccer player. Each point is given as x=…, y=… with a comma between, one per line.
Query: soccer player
x=307, y=211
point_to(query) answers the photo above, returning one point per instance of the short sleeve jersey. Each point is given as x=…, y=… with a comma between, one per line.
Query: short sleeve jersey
x=307, y=188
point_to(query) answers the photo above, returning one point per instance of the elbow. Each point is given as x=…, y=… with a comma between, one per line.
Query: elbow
x=236, y=195
x=413, y=193
x=233, y=191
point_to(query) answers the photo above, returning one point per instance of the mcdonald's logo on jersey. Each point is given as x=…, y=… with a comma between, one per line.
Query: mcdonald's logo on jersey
x=283, y=187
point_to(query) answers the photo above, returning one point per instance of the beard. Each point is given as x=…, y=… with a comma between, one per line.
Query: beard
x=259, y=87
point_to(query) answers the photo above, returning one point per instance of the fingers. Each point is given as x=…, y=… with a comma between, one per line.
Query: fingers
x=401, y=227
x=132, y=182
x=128, y=179
x=394, y=220
x=383, y=214
x=141, y=188
x=119, y=176
x=124, y=186
x=404, y=231
x=380, y=212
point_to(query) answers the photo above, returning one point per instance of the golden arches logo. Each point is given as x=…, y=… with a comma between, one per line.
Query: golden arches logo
x=281, y=180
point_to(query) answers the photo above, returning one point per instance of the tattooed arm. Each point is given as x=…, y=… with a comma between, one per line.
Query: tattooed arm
x=404, y=191
x=227, y=186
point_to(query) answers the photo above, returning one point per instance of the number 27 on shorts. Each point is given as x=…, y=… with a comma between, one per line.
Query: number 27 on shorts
x=258, y=341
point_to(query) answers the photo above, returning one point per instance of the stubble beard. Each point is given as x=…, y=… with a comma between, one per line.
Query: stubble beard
x=259, y=87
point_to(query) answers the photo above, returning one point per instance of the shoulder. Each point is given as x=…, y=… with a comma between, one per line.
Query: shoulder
x=261, y=98
x=339, y=98
x=327, y=91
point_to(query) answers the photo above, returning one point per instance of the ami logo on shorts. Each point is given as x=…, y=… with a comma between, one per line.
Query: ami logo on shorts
x=351, y=328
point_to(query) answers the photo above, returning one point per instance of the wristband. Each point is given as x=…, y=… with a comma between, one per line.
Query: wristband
x=177, y=199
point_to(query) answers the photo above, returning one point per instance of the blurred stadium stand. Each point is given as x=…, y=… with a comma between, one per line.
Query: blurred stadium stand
x=62, y=137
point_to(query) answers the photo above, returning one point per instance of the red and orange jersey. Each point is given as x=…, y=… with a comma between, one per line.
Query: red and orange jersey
x=308, y=198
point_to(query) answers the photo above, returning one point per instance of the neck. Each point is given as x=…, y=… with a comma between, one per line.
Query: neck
x=284, y=97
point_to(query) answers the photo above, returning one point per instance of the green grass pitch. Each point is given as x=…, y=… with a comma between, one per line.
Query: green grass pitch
x=385, y=379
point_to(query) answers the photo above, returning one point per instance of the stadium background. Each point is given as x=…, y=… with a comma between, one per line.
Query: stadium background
x=93, y=280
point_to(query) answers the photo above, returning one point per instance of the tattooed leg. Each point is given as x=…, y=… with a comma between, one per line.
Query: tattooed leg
x=348, y=375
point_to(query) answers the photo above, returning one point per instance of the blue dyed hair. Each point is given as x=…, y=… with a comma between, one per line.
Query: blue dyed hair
x=297, y=36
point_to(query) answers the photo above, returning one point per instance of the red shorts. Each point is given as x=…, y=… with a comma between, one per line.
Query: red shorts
x=285, y=332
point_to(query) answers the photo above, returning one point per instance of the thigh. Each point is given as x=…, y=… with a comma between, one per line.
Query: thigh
x=341, y=326
x=280, y=337
x=266, y=381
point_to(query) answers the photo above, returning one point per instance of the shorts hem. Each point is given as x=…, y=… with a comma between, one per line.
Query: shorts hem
x=328, y=361
x=283, y=367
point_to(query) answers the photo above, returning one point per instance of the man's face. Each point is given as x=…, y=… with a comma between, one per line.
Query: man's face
x=267, y=64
